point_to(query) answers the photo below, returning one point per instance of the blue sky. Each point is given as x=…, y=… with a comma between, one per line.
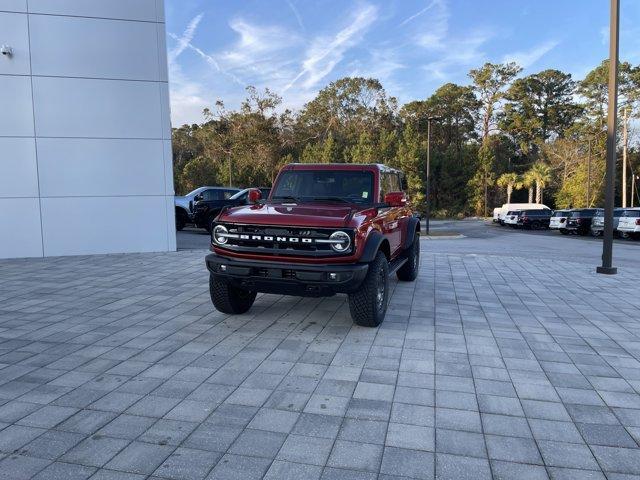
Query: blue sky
x=296, y=47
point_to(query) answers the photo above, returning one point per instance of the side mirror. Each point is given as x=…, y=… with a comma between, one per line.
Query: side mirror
x=197, y=198
x=254, y=196
x=395, y=199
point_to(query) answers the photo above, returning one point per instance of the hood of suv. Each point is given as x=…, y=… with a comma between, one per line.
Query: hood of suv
x=294, y=215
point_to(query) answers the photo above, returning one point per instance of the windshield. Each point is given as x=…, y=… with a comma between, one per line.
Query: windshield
x=240, y=194
x=196, y=191
x=351, y=186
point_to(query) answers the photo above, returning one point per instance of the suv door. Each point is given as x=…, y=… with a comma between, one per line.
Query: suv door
x=393, y=218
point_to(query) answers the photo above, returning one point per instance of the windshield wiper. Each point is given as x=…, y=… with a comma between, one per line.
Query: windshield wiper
x=330, y=199
x=287, y=198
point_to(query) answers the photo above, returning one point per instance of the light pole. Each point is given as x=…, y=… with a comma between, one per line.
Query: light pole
x=428, y=180
x=607, y=243
x=624, y=158
x=589, y=176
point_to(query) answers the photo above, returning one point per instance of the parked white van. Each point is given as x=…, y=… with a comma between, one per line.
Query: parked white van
x=501, y=212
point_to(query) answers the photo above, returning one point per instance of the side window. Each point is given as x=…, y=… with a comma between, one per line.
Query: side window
x=403, y=182
x=216, y=194
x=229, y=193
x=208, y=195
x=389, y=182
x=396, y=186
x=385, y=186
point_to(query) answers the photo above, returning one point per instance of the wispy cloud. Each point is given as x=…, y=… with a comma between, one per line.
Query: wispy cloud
x=449, y=53
x=260, y=53
x=188, y=99
x=433, y=36
x=210, y=60
x=382, y=63
x=604, y=35
x=296, y=14
x=416, y=15
x=183, y=41
x=326, y=52
x=461, y=53
x=187, y=95
x=526, y=58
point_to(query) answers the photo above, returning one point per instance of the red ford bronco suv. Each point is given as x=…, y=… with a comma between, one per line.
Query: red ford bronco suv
x=325, y=229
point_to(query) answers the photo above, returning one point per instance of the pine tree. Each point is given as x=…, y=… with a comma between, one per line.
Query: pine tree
x=330, y=150
x=410, y=159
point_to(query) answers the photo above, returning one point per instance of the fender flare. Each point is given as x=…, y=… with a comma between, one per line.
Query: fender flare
x=413, y=225
x=374, y=240
x=182, y=210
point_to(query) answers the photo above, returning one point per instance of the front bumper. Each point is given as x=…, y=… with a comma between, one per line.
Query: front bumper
x=306, y=280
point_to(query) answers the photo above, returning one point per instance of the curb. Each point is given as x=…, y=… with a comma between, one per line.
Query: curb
x=443, y=237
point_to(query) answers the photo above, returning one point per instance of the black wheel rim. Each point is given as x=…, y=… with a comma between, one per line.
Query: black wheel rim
x=380, y=291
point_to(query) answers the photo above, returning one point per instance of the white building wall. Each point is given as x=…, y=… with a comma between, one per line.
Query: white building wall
x=85, y=136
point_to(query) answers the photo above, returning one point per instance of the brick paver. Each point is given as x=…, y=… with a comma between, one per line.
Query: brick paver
x=118, y=367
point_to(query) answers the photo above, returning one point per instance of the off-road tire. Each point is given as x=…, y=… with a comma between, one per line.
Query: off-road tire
x=536, y=225
x=229, y=299
x=366, y=308
x=409, y=271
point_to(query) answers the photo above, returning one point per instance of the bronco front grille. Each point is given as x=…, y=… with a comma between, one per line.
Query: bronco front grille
x=277, y=240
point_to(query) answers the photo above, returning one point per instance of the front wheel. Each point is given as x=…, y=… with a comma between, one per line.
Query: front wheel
x=229, y=299
x=409, y=271
x=181, y=219
x=368, y=305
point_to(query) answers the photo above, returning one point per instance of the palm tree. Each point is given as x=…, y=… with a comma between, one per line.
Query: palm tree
x=510, y=181
x=528, y=181
x=541, y=173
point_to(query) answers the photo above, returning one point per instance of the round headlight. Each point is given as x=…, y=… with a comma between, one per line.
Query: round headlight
x=218, y=234
x=341, y=241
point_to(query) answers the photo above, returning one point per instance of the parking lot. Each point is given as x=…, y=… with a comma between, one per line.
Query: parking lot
x=508, y=358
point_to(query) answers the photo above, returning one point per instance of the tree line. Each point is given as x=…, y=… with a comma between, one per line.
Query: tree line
x=539, y=137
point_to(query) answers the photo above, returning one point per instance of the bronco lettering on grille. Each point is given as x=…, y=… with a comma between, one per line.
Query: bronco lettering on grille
x=269, y=238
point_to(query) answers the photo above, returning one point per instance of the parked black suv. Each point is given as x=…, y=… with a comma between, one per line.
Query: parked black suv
x=534, y=219
x=207, y=208
x=579, y=221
